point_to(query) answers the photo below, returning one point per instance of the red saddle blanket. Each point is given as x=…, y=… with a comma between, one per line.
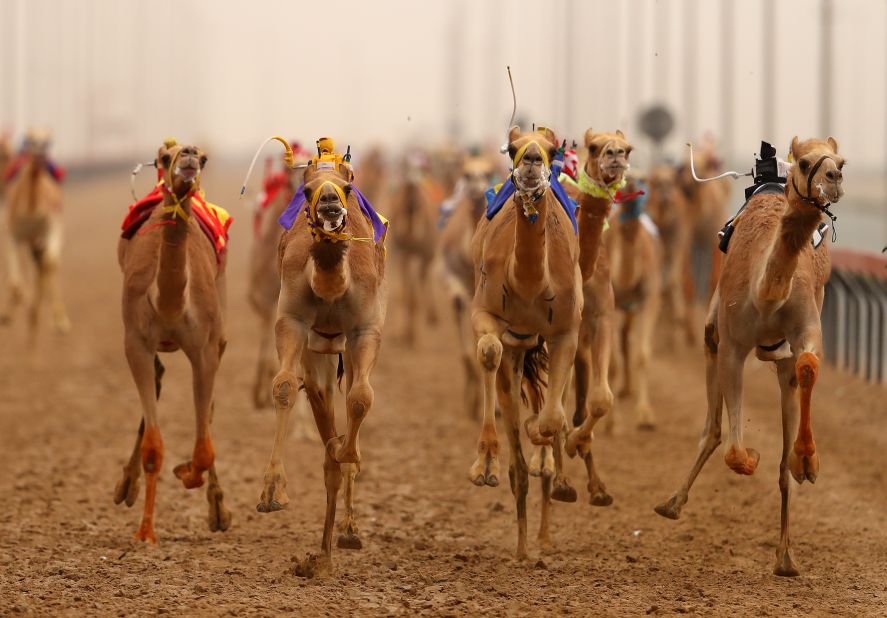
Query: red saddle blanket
x=213, y=220
x=272, y=185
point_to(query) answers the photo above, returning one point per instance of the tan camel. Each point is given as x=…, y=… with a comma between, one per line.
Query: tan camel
x=667, y=205
x=173, y=299
x=769, y=299
x=414, y=205
x=602, y=176
x=528, y=291
x=372, y=173
x=332, y=306
x=34, y=224
x=635, y=253
x=454, y=258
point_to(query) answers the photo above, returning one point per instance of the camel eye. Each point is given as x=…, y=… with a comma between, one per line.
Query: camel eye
x=804, y=165
x=609, y=152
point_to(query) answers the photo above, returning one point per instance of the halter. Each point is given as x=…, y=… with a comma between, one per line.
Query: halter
x=175, y=209
x=812, y=200
x=318, y=231
x=526, y=199
x=592, y=187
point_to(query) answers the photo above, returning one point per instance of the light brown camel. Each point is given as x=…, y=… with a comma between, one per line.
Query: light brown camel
x=173, y=299
x=667, y=205
x=414, y=205
x=457, y=269
x=602, y=175
x=635, y=253
x=769, y=299
x=332, y=306
x=528, y=290
x=34, y=225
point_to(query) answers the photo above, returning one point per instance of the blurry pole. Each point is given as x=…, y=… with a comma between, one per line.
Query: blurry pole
x=690, y=83
x=660, y=51
x=569, y=92
x=768, y=88
x=495, y=73
x=454, y=54
x=727, y=68
x=21, y=36
x=825, y=67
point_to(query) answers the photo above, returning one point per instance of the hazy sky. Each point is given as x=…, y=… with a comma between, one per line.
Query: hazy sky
x=113, y=77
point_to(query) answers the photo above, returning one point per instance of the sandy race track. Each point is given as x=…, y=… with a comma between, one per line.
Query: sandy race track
x=434, y=544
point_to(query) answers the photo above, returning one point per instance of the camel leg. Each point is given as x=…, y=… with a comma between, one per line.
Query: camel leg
x=203, y=366
x=219, y=515
x=508, y=383
x=14, y=275
x=645, y=330
x=51, y=263
x=291, y=336
x=141, y=364
x=41, y=281
x=265, y=368
x=544, y=536
x=803, y=461
x=428, y=289
x=485, y=469
x=361, y=351
x=561, y=353
x=128, y=487
x=711, y=433
x=472, y=377
x=348, y=531
x=625, y=354
x=788, y=386
x=730, y=365
x=411, y=299
x=562, y=490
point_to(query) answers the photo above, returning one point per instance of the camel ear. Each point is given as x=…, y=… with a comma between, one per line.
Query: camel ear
x=513, y=134
x=549, y=135
x=347, y=190
x=620, y=134
x=794, y=149
x=589, y=134
x=203, y=159
x=307, y=191
x=165, y=160
x=833, y=143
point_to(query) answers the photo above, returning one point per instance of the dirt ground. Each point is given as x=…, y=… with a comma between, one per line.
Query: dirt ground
x=434, y=544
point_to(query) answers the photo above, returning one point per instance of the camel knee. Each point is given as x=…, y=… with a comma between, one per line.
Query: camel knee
x=518, y=474
x=360, y=400
x=152, y=450
x=284, y=388
x=711, y=338
x=807, y=369
x=489, y=352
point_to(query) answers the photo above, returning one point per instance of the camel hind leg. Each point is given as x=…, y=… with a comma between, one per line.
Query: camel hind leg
x=803, y=460
x=788, y=386
x=711, y=433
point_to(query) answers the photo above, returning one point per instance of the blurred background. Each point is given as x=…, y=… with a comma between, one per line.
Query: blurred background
x=112, y=78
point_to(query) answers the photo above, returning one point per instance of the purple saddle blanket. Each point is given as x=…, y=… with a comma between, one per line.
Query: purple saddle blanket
x=298, y=202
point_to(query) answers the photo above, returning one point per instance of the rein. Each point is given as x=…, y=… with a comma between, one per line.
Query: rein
x=823, y=208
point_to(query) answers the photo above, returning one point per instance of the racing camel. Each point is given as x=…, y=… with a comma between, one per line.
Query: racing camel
x=173, y=299
x=34, y=228
x=768, y=299
x=332, y=307
x=528, y=294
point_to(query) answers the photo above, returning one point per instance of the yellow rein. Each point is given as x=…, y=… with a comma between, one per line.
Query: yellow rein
x=317, y=229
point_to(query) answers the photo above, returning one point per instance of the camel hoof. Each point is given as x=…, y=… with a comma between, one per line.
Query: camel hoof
x=146, y=534
x=563, y=493
x=743, y=461
x=646, y=426
x=127, y=489
x=349, y=541
x=485, y=470
x=785, y=566
x=544, y=541
x=313, y=566
x=189, y=477
x=336, y=448
x=600, y=498
x=804, y=467
x=572, y=443
x=270, y=507
x=219, y=515
x=492, y=480
x=531, y=427
x=670, y=509
x=274, y=496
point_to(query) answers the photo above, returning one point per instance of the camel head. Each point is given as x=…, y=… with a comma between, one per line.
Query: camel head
x=182, y=165
x=662, y=182
x=36, y=144
x=531, y=155
x=327, y=186
x=476, y=174
x=816, y=174
x=608, y=154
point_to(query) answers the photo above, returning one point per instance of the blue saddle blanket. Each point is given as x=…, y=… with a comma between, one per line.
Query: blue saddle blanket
x=497, y=199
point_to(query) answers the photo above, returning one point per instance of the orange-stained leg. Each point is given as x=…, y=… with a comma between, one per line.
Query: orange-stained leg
x=803, y=460
x=152, y=460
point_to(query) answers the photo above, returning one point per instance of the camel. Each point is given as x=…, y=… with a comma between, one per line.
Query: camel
x=173, y=299
x=454, y=258
x=373, y=175
x=600, y=179
x=769, y=298
x=34, y=224
x=667, y=205
x=635, y=253
x=5, y=158
x=528, y=293
x=332, y=306
x=414, y=207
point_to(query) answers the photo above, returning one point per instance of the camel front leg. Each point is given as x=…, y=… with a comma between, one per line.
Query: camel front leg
x=141, y=364
x=561, y=354
x=599, y=397
x=361, y=349
x=645, y=329
x=291, y=335
x=204, y=365
x=711, y=433
x=803, y=460
x=219, y=516
x=730, y=364
x=348, y=531
x=788, y=386
x=508, y=386
x=485, y=469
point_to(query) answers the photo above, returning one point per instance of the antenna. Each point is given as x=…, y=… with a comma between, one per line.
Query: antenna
x=724, y=175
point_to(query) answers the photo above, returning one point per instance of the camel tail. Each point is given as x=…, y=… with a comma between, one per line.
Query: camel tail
x=534, y=382
x=340, y=371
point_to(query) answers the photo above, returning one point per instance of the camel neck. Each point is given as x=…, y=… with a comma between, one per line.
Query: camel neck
x=172, y=275
x=798, y=222
x=530, y=265
x=331, y=276
x=593, y=213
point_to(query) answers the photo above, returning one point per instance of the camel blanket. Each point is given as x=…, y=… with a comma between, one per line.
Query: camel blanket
x=498, y=196
x=213, y=220
x=379, y=223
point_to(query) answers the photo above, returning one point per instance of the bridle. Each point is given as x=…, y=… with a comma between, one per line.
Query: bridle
x=812, y=200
